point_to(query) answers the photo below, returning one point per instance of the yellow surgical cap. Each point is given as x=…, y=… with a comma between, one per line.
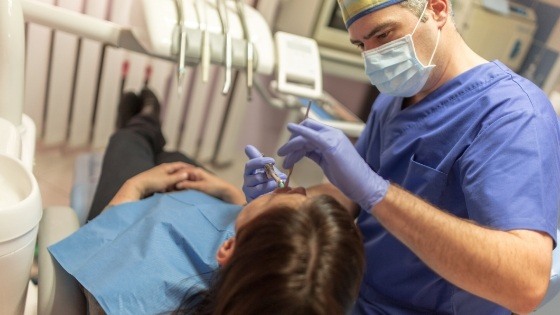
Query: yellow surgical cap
x=352, y=10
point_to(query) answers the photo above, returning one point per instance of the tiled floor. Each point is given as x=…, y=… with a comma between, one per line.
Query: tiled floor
x=54, y=169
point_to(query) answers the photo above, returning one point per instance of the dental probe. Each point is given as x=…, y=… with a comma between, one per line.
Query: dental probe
x=292, y=168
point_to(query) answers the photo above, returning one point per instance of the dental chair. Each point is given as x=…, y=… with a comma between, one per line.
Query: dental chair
x=59, y=293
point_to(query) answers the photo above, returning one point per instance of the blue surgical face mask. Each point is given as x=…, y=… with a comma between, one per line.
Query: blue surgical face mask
x=394, y=67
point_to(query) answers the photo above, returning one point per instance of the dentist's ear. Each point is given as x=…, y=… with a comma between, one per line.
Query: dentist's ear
x=441, y=11
x=225, y=251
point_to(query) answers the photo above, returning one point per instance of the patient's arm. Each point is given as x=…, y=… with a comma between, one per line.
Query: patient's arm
x=176, y=176
x=161, y=178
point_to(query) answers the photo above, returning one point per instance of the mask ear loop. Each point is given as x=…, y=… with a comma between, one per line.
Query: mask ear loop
x=435, y=48
x=438, y=35
x=420, y=18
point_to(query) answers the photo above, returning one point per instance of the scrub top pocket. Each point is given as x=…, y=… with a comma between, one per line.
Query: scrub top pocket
x=425, y=181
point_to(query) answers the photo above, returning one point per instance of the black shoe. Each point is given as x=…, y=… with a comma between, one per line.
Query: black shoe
x=150, y=104
x=129, y=106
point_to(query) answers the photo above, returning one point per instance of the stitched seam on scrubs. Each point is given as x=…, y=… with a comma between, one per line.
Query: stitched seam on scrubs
x=535, y=131
x=482, y=131
x=520, y=224
x=444, y=103
x=481, y=134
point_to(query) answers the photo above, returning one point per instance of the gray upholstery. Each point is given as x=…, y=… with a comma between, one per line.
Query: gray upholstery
x=59, y=293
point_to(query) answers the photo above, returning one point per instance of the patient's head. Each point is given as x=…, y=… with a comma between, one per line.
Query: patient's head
x=295, y=258
x=285, y=197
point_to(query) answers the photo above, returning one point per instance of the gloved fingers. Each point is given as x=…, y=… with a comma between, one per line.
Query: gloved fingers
x=321, y=136
x=259, y=184
x=295, y=144
x=292, y=158
x=315, y=125
x=257, y=163
x=315, y=157
x=311, y=136
x=280, y=174
x=267, y=187
x=255, y=179
x=252, y=180
x=256, y=191
x=252, y=152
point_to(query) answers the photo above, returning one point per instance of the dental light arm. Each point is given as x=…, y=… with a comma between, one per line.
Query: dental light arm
x=200, y=32
x=152, y=28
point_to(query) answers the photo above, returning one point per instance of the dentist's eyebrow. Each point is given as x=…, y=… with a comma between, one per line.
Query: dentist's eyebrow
x=374, y=31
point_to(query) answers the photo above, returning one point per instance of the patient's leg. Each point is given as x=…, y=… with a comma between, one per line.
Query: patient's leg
x=130, y=152
x=175, y=156
x=132, y=149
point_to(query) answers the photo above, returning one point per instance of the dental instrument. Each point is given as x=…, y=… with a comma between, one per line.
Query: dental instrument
x=270, y=173
x=292, y=168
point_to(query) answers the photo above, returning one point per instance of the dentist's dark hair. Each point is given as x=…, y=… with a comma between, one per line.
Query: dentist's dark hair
x=308, y=261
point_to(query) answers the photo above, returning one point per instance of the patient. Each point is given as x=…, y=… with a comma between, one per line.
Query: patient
x=166, y=236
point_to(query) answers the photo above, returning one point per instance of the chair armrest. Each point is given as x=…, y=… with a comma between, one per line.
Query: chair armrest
x=59, y=292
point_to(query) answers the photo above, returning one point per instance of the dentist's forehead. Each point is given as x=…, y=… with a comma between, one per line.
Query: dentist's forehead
x=352, y=10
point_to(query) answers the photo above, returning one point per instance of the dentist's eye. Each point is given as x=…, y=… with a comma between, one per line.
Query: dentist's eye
x=383, y=35
x=360, y=46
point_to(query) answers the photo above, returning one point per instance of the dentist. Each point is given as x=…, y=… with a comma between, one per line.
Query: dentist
x=455, y=181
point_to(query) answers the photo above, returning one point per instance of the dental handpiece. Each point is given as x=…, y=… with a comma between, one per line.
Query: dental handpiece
x=270, y=173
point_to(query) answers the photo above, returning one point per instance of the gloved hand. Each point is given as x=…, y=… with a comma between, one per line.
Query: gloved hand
x=341, y=163
x=255, y=181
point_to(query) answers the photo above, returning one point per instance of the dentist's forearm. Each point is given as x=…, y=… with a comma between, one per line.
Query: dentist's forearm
x=510, y=268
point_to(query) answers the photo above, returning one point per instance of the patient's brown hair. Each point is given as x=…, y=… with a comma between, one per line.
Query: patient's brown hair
x=291, y=261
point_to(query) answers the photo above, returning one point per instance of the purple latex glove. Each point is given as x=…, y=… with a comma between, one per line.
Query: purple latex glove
x=255, y=181
x=341, y=163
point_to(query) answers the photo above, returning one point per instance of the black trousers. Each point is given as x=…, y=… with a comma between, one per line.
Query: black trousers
x=133, y=149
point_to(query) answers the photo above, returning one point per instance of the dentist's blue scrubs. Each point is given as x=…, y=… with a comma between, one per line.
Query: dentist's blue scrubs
x=485, y=147
x=143, y=257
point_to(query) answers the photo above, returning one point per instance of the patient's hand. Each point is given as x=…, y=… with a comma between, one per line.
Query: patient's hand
x=210, y=184
x=161, y=178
